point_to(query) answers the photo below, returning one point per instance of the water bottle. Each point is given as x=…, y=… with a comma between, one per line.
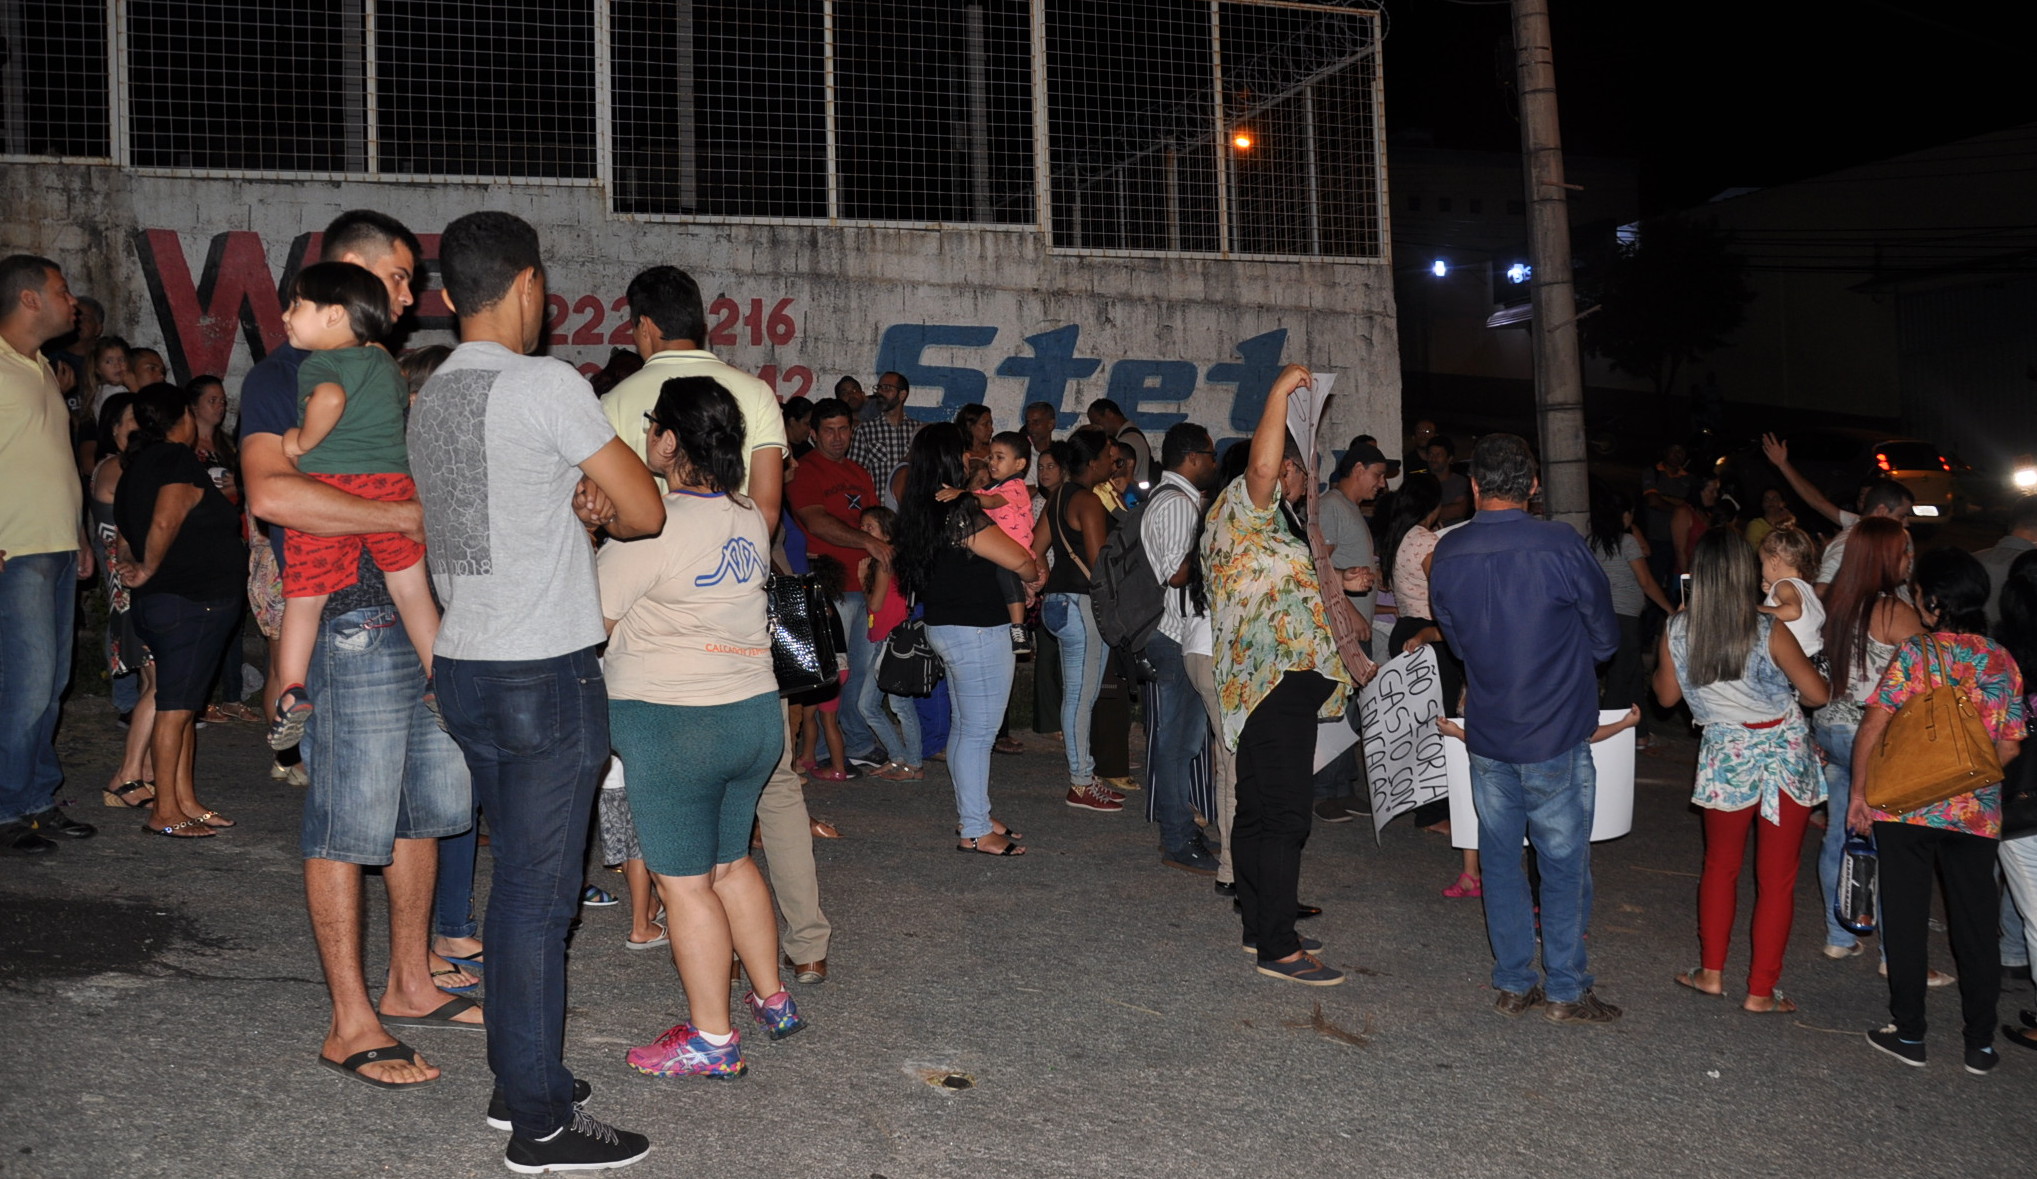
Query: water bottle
x=1858, y=867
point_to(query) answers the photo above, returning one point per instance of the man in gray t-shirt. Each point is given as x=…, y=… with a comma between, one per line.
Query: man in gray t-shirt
x=1357, y=478
x=499, y=442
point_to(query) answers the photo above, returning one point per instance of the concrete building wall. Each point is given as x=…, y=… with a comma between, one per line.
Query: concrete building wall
x=193, y=265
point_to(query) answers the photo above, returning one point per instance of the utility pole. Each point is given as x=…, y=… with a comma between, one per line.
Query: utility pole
x=1559, y=377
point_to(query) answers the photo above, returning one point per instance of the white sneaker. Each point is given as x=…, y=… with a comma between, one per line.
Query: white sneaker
x=294, y=775
x=1852, y=951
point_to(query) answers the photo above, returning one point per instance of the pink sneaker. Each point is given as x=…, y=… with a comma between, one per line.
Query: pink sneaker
x=682, y=1052
x=1467, y=886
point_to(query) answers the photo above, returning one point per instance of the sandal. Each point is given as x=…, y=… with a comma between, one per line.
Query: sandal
x=1467, y=886
x=123, y=794
x=215, y=820
x=1778, y=1004
x=188, y=829
x=236, y=711
x=436, y=975
x=293, y=710
x=829, y=775
x=892, y=771
x=1688, y=978
x=1007, y=745
x=822, y=829
x=997, y=828
x=972, y=845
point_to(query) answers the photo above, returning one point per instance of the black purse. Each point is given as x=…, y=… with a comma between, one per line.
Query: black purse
x=906, y=664
x=806, y=649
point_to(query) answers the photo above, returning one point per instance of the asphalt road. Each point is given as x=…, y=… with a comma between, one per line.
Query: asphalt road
x=167, y=1011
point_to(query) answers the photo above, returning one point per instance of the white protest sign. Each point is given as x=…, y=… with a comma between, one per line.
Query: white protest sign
x=1613, y=807
x=1403, y=748
x=1305, y=410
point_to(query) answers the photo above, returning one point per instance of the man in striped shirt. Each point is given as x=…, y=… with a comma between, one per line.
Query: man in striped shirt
x=1167, y=533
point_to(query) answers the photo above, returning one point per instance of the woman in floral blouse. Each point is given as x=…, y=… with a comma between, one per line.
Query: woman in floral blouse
x=1959, y=835
x=1277, y=672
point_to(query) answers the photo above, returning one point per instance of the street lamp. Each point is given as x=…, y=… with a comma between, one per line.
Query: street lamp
x=1242, y=141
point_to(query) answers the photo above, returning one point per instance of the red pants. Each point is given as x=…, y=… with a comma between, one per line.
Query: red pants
x=1777, y=854
x=314, y=566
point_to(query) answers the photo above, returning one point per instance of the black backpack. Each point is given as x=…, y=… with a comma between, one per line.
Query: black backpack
x=1126, y=596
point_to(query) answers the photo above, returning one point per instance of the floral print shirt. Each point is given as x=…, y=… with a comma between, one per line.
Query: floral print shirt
x=1266, y=608
x=1994, y=684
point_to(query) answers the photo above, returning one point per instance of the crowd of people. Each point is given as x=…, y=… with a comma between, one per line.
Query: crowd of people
x=490, y=591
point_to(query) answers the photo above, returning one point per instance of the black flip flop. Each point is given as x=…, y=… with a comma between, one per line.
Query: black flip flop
x=440, y=1017
x=351, y=1066
x=1009, y=849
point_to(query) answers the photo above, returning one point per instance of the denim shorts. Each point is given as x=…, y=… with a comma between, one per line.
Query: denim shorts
x=381, y=768
x=188, y=639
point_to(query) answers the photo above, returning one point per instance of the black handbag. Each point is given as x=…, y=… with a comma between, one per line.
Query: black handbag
x=906, y=664
x=805, y=647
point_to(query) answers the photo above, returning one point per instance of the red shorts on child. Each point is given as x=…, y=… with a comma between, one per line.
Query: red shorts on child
x=314, y=566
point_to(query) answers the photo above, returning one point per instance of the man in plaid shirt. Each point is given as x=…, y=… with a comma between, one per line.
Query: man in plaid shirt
x=882, y=442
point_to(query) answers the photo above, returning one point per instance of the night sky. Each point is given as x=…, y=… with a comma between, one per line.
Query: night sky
x=1721, y=94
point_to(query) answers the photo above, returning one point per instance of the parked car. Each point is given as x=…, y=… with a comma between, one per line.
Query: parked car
x=1839, y=463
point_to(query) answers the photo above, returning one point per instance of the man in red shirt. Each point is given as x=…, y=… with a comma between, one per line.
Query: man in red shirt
x=828, y=494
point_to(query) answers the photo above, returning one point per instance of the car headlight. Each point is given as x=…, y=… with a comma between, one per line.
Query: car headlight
x=2025, y=478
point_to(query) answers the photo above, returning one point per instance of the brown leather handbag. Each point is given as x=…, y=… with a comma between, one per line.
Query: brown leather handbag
x=1935, y=747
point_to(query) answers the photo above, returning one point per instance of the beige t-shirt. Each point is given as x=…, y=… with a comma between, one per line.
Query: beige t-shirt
x=689, y=606
x=39, y=511
x=637, y=394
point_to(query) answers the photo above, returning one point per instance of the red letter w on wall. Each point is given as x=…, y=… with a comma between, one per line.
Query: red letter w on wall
x=236, y=289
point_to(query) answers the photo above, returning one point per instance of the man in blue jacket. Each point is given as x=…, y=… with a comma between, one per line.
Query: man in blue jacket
x=1523, y=603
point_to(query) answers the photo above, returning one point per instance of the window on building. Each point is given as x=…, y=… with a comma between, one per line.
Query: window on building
x=1444, y=204
x=53, y=93
x=1282, y=159
x=473, y=89
x=1414, y=204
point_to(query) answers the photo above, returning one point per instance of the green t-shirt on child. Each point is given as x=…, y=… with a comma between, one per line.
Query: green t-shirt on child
x=369, y=437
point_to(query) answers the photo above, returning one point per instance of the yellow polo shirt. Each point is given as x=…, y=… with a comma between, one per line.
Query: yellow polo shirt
x=43, y=499
x=637, y=394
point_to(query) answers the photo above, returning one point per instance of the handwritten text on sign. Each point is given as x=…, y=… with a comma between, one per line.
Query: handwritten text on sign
x=1403, y=748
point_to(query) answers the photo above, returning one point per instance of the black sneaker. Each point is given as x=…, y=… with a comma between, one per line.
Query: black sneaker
x=1910, y=1052
x=498, y=1105
x=55, y=822
x=20, y=838
x=1227, y=888
x=1309, y=945
x=1193, y=860
x=583, y=1144
x=1021, y=640
x=1982, y=1061
x=1588, y=1008
x=1332, y=810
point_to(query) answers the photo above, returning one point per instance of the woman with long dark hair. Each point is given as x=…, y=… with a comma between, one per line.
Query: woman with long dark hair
x=183, y=561
x=694, y=716
x=1744, y=676
x=948, y=554
x=126, y=654
x=2017, y=633
x=1076, y=527
x=1866, y=618
x=1955, y=840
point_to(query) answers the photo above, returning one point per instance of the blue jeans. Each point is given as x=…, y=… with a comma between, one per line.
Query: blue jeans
x=2017, y=859
x=381, y=769
x=452, y=901
x=535, y=735
x=857, y=739
x=1837, y=742
x=901, y=741
x=1074, y=628
x=979, y=661
x=38, y=595
x=935, y=713
x=1179, y=731
x=1550, y=803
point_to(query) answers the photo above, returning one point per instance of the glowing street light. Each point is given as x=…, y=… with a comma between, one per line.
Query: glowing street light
x=1242, y=141
x=1440, y=268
